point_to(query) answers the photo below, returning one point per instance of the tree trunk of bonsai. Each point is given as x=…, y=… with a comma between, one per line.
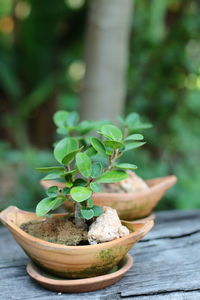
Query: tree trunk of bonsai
x=107, y=42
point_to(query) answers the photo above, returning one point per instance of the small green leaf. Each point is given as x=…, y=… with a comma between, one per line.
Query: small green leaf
x=85, y=126
x=111, y=132
x=52, y=191
x=72, y=118
x=62, y=131
x=84, y=164
x=90, y=151
x=71, y=172
x=97, y=210
x=131, y=146
x=64, y=147
x=126, y=166
x=49, y=169
x=112, y=176
x=90, y=203
x=136, y=137
x=109, y=151
x=87, y=213
x=47, y=204
x=52, y=176
x=132, y=119
x=113, y=144
x=98, y=146
x=65, y=191
x=70, y=156
x=80, y=193
x=134, y=123
x=95, y=187
x=68, y=184
x=103, y=160
x=121, y=121
x=97, y=169
x=60, y=118
x=80, y=182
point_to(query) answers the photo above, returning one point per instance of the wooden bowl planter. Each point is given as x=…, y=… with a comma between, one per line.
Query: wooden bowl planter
x=130, y=206
x=72, y=261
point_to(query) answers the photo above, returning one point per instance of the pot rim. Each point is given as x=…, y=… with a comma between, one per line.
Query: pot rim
x=4, y=217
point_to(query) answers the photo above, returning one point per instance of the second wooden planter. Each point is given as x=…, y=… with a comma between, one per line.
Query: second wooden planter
x=130, y=206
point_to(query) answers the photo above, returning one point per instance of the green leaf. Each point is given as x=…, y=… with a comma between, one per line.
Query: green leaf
x=72, y=118
x=131, y=146
x=85, y=126
x=90, y=203
x=103, y=160
x=111, y=132
x=98, y=146
x=49, y=169
x=126, y=166
x=136, y=137
x=90, y=151
x=62, y=131
x=52, y=176
x=60, y=118
x=84, y=164
x=97, y=210
x=47, y=204
x=112, y=176
x=80, y=193
x=95, y=187
x=69, y=157
x=52, y=191
x=87, y=213
x=64, y=147
x=65, y=191
x=69, y=184
x=113, y=144
x=80, y=182
x=71, y=172
x=122, y=121
x=133, y=122
x=97, y=169
x=109, y=151
x=132, y=119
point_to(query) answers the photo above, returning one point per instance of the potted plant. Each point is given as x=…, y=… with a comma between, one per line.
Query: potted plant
x=92, y=240
x=133, y=198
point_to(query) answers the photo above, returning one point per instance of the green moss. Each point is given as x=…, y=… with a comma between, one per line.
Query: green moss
x=108, y=259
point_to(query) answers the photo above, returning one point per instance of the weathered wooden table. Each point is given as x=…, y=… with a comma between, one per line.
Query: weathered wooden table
x=167, y=266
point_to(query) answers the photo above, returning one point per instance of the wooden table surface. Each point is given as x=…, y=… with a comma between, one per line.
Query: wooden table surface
x=167, y=266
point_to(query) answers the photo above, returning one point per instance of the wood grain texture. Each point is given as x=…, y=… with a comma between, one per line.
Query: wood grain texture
x=167, y=266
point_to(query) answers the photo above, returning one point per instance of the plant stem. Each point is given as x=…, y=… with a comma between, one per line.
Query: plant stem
x=81, y=223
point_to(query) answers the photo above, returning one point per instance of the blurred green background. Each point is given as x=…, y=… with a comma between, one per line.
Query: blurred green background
x=41, y=69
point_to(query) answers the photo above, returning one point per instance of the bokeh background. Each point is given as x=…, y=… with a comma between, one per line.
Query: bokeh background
x=42, y=69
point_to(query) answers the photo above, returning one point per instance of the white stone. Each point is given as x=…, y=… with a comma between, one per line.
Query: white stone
x=133, y=183
x=107, y=227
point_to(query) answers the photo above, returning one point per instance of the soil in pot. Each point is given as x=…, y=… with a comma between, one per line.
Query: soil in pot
x=58, y=230
x=64, y=230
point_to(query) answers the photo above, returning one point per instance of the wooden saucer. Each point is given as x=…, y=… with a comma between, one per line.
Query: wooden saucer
x=63, y=285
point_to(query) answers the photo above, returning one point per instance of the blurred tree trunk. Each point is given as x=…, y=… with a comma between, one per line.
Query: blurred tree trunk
x=107, y=43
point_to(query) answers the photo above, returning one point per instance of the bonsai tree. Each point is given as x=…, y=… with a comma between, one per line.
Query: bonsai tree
x=84, y=166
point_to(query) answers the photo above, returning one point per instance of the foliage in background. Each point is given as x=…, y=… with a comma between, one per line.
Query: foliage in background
x=19, y=181
x=164, y=86
x=41, y=67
